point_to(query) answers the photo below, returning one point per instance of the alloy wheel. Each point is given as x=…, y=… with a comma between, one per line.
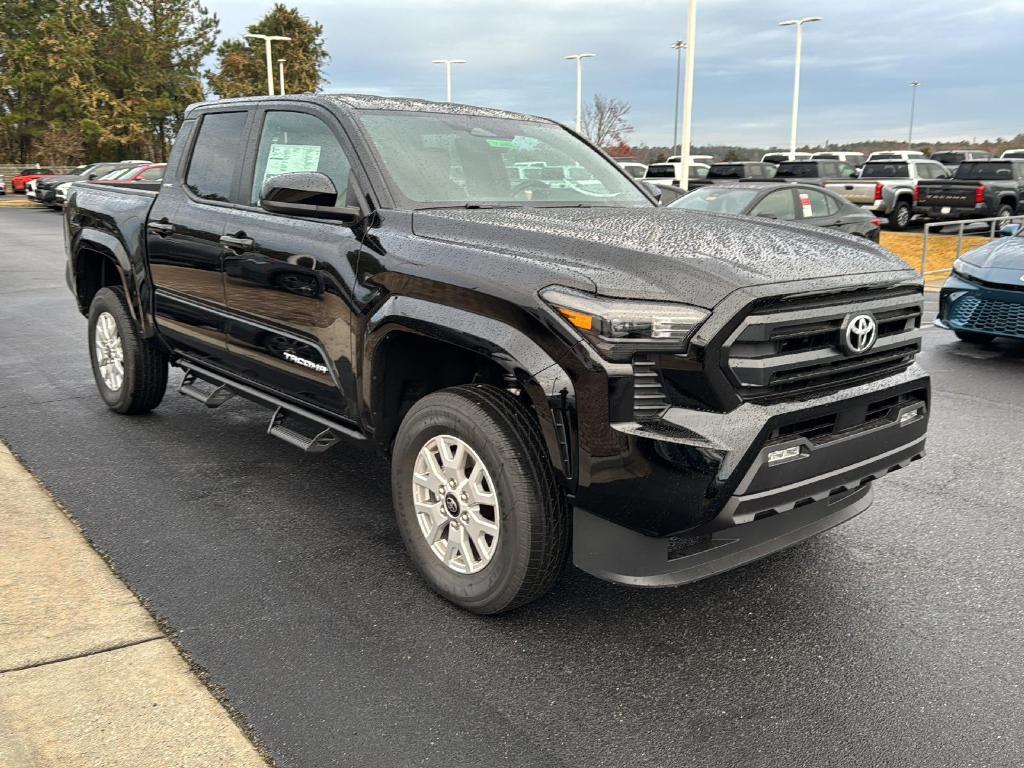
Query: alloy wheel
x=109, y=352
x=456, y=504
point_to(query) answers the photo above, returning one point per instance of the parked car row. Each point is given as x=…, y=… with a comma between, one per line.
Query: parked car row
x=52, y=190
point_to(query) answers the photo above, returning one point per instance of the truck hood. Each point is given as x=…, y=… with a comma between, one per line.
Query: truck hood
x=999, y=262
x=658, y=253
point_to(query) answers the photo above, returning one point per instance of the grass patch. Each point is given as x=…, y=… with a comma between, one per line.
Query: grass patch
x=941, y=250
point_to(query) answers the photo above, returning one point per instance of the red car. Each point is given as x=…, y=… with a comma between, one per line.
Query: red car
x=18, y=182
x=151, y=172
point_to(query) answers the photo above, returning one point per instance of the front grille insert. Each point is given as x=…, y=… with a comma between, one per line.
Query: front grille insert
x=840, y=423
x=649, y=398
x=988, y=315
x=792, y=349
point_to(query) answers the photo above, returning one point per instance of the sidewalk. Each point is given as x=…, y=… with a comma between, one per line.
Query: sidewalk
x=86, y=676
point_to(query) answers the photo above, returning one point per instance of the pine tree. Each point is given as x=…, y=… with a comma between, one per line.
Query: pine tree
x=242, y=70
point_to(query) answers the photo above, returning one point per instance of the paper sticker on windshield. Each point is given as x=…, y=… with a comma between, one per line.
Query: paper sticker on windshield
x=502, y=143
x=292, y=158
x=805, y=203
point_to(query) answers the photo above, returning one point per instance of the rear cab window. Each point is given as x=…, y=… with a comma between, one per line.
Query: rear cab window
x=217, y=156
x=886, y=170
x=985, y=171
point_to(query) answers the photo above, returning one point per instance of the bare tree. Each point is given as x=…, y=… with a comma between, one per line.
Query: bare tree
x=604, y=121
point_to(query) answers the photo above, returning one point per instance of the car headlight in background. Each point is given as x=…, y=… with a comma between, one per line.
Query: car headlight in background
x=618, y=328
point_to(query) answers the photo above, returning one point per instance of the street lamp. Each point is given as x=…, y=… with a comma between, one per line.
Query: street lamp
x=280, y=74
x=679, y=45
x=914, y=85
x=267, y=39
x=579, y=57
x=799, y=24
x=448, y=72
x=691, y=53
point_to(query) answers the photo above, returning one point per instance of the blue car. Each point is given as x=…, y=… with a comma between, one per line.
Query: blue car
x=984, y=297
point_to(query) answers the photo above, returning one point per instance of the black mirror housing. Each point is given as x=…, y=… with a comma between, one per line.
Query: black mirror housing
x=653, y=189
x=311, y=195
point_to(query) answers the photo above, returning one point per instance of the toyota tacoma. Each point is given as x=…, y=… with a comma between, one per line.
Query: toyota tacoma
x=554, y=372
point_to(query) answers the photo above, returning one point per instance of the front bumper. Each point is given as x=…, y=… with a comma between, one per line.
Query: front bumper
x=748, y=483
x=46, y=196
x=983, y=309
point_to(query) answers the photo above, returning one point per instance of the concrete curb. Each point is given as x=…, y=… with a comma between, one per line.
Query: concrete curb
x=87, y=677
x=20, y=201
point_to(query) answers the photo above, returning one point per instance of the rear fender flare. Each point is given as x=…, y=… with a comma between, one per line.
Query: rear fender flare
x=132, y=284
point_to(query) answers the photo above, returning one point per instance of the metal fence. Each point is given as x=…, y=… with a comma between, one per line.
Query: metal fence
x=991, y=226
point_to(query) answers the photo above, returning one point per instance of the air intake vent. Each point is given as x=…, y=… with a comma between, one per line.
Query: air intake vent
x=648, y=396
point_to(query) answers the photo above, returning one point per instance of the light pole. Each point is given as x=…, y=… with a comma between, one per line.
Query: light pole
x=448, y=72
x=679, y=45
x=579, y=57
x=280, y=75
x=799, y=24
x=691, y=52
x=914, y=85
x=267, y=39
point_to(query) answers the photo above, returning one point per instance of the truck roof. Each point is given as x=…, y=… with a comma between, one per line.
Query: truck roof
x=355, y=101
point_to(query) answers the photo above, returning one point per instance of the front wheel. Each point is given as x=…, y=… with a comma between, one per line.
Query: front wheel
x=476, y=501
x=130, y=371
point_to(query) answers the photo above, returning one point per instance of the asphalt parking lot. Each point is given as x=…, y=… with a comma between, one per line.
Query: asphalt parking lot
x=894, y=640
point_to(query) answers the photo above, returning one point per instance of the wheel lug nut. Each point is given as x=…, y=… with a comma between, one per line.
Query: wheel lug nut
x=465, y=497
x=451, y=483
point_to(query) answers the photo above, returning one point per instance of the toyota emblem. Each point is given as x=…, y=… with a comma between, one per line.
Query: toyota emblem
x=860, y=334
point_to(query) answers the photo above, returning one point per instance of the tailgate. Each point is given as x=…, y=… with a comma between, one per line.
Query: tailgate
x=857, y=192
x=943, y=193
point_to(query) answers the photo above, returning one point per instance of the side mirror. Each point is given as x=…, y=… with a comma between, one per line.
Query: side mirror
x=311, y=195
x=1009, y=230
x=92, y=176
x=654, y=189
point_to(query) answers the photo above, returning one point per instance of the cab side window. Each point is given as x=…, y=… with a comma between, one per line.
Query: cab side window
x=297, y=142
x=216, y=156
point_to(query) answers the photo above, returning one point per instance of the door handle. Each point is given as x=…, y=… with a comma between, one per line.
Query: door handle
x=161, y=228
x=237, y=243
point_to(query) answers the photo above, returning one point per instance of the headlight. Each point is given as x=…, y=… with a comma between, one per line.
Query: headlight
x=63, y=187
x=618, y=328
x=960, y=267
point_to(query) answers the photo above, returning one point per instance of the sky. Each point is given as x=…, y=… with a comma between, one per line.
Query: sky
x=857, y=63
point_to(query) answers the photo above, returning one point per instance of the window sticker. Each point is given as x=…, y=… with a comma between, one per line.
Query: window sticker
x=292, y=158
x=805, y=203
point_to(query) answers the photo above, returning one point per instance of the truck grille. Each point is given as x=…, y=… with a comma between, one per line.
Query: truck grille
x=793, y=348
x=988, y=315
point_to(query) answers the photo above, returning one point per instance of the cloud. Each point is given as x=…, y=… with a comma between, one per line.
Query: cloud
x=856, y=74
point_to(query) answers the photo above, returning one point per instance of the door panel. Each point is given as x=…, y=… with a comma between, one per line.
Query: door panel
x=185, y=226
x=289, y=280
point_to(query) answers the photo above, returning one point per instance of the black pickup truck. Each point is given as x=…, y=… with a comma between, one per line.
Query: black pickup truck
x=979, y=189
x=663, y=394
x=724, y=173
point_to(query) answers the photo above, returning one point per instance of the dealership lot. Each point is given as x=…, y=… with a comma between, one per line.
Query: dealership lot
x=893, y=640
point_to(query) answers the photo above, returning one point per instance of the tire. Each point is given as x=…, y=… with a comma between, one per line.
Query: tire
x=530, y=545
x=974, y=338
x=143, y=370
x=901, y=215
x=1004, y=211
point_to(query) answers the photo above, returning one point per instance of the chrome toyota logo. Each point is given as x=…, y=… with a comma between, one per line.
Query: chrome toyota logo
x=860, y=334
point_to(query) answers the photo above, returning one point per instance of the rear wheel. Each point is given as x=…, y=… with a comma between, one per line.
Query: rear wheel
x=901, y=215
x=974, y=338
x=1004, y=212
x=476, y=501
x=130, y=371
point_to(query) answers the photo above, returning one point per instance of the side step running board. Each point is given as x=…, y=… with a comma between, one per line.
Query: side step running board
x=318, y=443
x=282, y=424
x=212, y=399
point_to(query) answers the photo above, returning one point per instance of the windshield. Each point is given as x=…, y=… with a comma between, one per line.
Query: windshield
x=636, y=171
x=717, y=200
x=117, y=174
x=797, y=171
x=36, y=171
x=885, y=171
x=985, y=171
x=499, y=161
x=726, y=172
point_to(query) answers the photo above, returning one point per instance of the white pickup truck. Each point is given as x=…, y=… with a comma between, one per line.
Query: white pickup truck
x=886, y=187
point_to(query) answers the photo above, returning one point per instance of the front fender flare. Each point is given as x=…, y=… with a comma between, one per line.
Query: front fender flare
x=534, y=369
